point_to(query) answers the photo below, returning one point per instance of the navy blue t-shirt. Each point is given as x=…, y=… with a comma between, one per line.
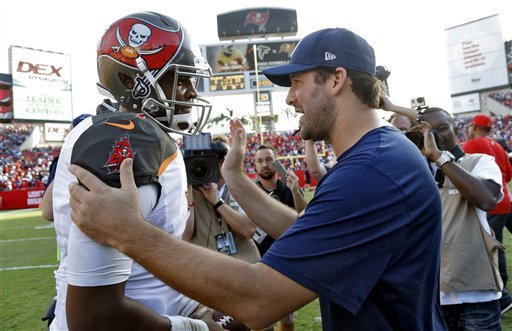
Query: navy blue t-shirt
x=369, y=241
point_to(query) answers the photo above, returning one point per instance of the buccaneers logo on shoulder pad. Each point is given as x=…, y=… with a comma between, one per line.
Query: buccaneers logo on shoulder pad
x=122, y=149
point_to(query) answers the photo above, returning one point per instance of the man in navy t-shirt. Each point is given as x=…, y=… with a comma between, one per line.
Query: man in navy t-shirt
x=367, y=245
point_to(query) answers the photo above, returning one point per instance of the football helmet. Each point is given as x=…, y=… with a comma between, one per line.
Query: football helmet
x=133, y=56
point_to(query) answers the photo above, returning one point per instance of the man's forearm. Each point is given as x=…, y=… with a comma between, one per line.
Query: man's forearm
x=238, y=222
x=298, y=200
x=270, y=215
x=236, y=288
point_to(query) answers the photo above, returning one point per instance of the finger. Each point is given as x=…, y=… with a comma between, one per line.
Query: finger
x=89, y=180
x=126, y=176
x=77, y=191
x=75, y=205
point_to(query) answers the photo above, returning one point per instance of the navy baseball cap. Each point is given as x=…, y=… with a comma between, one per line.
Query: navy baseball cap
x=333, y=47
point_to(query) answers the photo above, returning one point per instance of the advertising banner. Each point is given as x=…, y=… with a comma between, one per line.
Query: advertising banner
x=476, y=56
x=41, y=84
x=21, y=199
x=55, y=131
x=466, y=103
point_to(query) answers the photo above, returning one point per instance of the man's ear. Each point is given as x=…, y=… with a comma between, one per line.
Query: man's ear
x=340, y=78
x=127, y=81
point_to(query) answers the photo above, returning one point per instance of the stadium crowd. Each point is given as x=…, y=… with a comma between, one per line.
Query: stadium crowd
x=30, y=168
x=22, y=168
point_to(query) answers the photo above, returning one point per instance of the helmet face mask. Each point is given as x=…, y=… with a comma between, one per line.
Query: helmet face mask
x=146, y=63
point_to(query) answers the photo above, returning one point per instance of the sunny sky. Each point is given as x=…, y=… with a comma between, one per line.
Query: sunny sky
x=408, y=36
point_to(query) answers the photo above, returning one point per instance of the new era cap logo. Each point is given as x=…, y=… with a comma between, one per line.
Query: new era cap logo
x=329, y=56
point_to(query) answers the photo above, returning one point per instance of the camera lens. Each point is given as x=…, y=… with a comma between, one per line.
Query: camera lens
x=200, y=169
x=416, y=137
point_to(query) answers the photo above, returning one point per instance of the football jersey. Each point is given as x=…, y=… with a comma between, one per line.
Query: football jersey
x=99, y=144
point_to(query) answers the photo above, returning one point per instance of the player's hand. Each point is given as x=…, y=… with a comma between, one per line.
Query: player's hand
x=234, y=160
x=102, y=212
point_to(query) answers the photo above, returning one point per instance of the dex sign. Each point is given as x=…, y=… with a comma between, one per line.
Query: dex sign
x=41, y=84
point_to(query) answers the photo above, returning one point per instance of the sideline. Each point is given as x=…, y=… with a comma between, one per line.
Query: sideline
x=8, y=215
x=30, y=267
x=25, y=239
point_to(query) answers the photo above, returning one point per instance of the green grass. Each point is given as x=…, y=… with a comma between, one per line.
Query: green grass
x=25, y=293
x=27, y=240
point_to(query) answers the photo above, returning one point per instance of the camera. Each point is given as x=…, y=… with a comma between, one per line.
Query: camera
x=418, y=103
x=201, y=158
x=415, y=136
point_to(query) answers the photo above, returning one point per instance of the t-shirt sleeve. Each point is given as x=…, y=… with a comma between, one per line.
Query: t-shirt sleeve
x=93, y=264
x=488, y=169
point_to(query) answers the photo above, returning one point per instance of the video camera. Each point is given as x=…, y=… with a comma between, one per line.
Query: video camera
x=202, y=158
x=415, y=136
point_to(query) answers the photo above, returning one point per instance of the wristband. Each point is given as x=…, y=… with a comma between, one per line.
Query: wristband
x=180, y=323
x=218, y=204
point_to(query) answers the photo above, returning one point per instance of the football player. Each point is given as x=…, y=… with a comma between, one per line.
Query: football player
x=146, y=63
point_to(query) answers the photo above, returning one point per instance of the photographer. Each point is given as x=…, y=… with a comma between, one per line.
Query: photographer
x=218, y=221
x=470, y=184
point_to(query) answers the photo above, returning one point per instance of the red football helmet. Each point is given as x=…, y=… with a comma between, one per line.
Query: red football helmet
x=142, y=48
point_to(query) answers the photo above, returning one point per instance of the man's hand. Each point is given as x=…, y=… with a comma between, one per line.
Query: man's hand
x=385, y=103
x=234, y=161
x=102, y=212
x=292, y=181
x=210, y=192
x=430, y=149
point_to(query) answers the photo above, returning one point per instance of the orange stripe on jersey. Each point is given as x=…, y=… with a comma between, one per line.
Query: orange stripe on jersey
x=166, y=163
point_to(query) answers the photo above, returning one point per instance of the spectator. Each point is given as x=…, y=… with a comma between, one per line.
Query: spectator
x=218, y=219
x=479, y=142
x=401, y=122
x=368, y=243
x=471, y=184
x=276, y=188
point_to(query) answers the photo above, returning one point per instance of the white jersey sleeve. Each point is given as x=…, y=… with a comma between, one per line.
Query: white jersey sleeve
x=93, y=264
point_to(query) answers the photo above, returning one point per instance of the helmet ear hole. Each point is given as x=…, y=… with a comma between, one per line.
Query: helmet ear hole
x=126, y=80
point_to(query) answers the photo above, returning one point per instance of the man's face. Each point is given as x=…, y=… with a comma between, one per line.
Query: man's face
x=313, y=101
x=444, y=128
x=185, y=90
x=265, y=163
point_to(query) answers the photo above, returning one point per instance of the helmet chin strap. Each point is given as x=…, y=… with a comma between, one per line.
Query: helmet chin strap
x=183, y=122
